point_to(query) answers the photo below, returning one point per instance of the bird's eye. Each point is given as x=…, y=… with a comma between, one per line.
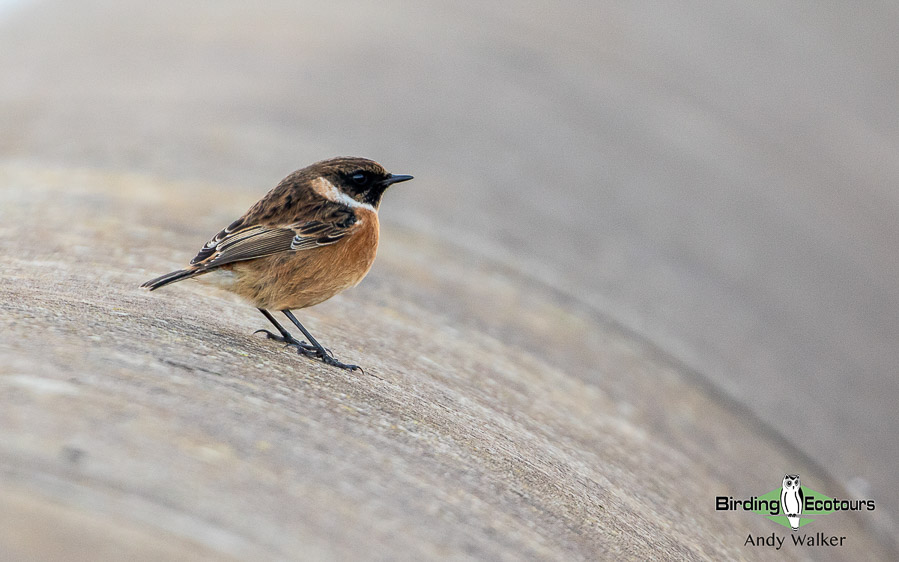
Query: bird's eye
x=360, y=178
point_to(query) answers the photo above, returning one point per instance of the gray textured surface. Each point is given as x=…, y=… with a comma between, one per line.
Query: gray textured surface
x=495, y=421
x=718, y=179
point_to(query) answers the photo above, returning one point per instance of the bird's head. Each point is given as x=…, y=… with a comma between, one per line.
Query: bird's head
x=359, y=179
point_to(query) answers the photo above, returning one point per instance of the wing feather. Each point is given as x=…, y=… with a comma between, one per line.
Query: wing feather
x=260, y=241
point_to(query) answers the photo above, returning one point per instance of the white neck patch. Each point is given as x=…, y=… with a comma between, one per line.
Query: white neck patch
x=332, y=193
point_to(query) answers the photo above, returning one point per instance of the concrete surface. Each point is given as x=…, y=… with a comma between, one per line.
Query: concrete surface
x=667, y=208
x=495, y=421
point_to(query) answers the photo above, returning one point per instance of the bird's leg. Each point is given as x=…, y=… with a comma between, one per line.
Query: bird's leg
x=285, y=336
x=320, y=352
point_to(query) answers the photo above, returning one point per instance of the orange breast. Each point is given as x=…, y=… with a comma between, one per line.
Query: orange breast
x=292, y=280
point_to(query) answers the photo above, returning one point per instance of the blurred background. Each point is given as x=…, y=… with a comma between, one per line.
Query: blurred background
x=717, y=178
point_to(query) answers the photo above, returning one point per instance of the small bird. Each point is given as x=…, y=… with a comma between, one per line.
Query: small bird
x=312, y=236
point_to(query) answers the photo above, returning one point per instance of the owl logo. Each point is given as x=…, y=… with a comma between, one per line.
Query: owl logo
x=791, y=500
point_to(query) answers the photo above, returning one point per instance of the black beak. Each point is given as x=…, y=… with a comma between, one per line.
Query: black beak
x=394, y=178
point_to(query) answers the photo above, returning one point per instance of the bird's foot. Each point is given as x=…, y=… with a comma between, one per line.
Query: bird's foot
x=329, y=360
x=301, y=346
x=323, y=354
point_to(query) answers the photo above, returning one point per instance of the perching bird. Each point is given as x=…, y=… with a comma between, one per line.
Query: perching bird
x=309, y=238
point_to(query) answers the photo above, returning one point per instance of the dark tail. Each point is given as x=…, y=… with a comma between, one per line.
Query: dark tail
x=163, y=280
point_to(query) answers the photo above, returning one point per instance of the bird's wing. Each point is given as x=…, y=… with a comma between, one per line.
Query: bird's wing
x=241, y=243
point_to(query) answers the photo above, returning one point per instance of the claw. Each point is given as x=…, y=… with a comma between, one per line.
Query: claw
x=327, y=357
x=268, y=335
x=329, y=360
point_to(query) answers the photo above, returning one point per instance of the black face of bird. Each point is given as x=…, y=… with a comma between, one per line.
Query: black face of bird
x=368, y=186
